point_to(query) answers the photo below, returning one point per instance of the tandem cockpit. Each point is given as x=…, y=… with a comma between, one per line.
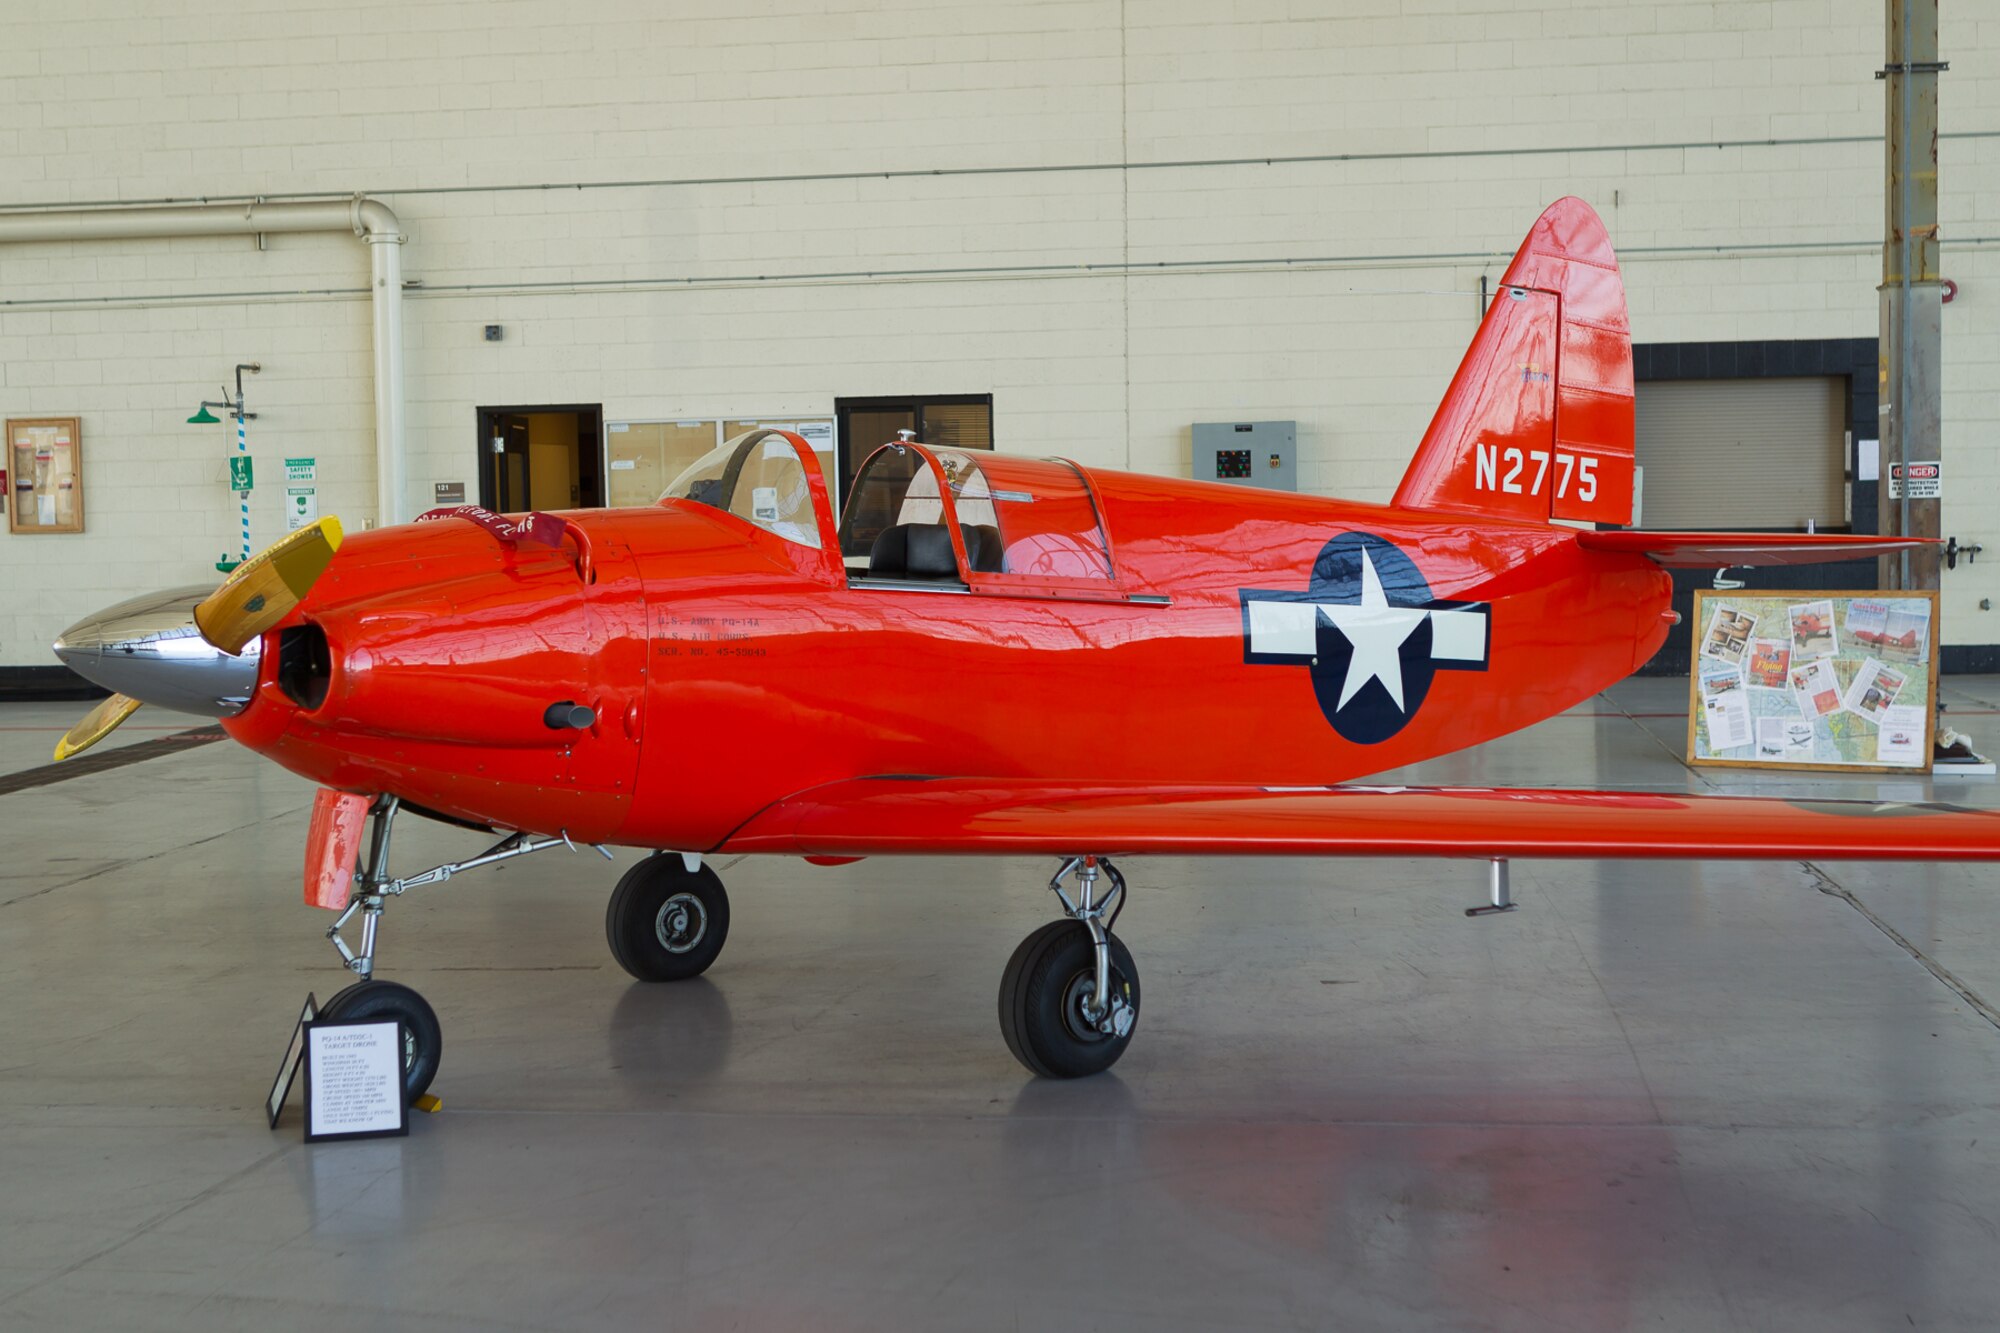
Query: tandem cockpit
x=920, y=519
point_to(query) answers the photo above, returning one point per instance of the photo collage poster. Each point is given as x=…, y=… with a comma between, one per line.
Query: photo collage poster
x=1821, y=679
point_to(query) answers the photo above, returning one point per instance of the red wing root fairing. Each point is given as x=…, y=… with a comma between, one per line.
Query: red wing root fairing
x=1060, y=660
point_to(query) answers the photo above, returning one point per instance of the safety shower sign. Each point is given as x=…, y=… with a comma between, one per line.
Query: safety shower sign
x=301, y=492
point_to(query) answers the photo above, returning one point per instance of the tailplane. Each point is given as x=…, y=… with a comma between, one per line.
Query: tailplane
x=1538, y=421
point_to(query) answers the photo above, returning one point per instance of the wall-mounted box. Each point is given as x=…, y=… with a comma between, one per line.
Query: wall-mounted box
x=1248, y=453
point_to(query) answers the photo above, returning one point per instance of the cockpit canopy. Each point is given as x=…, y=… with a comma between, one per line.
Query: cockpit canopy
x=761, y=478
x=1006, y=518
x=931, y=517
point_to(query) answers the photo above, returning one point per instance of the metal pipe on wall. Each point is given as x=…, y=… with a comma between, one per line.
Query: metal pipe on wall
x=369, y=219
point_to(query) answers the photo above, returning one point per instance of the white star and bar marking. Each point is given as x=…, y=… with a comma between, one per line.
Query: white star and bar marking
x=1376, y=629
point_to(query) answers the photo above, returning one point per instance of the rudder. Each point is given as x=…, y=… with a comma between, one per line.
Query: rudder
x=1538, y=421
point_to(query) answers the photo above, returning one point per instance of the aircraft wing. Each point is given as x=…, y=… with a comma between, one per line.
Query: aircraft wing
x=937, y=816
x=1710, y=550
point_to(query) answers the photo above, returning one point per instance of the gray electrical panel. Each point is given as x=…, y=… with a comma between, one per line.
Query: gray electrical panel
x=1248, y=453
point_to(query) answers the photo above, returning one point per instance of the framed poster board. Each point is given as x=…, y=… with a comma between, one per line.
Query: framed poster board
x=1826, y=681
x=45, y=473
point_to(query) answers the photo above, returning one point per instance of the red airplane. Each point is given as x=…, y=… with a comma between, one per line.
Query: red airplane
x=990, y=654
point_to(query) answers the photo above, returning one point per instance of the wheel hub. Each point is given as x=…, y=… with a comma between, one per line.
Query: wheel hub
x=681, y=923
x=1089, y=1021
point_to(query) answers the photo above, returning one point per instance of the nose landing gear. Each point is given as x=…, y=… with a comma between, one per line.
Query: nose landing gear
x=423, y=1037
x=1069, y=997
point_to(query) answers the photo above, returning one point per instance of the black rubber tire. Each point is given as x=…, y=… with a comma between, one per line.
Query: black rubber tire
x=391, y=999
x=637, y=922
x=1039, y=980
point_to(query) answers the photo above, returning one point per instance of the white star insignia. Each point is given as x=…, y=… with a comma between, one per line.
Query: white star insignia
x=1375, y=628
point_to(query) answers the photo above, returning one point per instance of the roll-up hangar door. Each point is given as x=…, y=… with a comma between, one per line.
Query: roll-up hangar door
x=1743, y=454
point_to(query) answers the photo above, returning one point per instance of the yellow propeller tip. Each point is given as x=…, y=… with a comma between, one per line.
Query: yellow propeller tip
x=95, y=725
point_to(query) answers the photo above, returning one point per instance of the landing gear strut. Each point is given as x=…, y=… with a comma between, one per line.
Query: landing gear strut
x=1070, y=995
x=423, y=1039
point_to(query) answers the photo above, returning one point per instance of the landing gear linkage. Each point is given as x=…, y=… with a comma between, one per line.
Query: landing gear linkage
x=373, y=887
x=1111, y=1016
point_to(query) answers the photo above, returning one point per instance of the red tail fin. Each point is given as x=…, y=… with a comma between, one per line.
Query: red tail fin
x=1538, y=421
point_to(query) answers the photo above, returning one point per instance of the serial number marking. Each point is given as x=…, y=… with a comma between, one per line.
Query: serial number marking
x=1499, y=469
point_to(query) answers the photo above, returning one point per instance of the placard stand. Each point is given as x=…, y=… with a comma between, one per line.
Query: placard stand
x=295, y=1051
x=354, y=1080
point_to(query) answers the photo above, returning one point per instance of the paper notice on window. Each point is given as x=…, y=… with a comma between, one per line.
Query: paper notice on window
x=1725, y=706
x=1874, y=689
x=1901, y=738
x=1816, y=688
x=1728, y=634
x=764, y=504
x=818, y=434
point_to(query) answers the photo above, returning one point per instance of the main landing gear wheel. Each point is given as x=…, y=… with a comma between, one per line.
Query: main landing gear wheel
x=1048, y=1008
x=665, y=922
x=423, y=1039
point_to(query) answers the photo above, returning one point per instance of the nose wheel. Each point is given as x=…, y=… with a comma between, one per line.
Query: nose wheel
x=423, y=1038
x=1069, y=998
x=667, y=920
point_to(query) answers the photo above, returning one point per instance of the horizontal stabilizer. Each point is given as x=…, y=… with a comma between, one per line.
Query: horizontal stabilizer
x=1712, y=550
x=940, y=816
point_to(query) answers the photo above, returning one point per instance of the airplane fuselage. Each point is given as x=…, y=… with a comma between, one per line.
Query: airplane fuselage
x=1247, y=636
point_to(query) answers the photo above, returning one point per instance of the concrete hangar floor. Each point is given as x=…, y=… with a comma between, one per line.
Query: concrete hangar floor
x=1681, y=1096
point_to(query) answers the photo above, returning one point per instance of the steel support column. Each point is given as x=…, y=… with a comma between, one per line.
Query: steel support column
x=1911, y=290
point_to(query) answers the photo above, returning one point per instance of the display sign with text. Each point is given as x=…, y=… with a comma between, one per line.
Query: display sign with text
x=354, y=1080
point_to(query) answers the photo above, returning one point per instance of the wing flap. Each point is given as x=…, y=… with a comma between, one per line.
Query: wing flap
x=1711, y=550
x=940, y=816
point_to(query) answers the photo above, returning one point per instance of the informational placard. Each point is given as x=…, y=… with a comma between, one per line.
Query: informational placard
x=448, y=492
x=354, y=1080
x=1823, y=681
x=295, y=1053
x=301, y=506
x=240, y=473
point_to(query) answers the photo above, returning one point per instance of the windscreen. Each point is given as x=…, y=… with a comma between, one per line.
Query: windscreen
x=757, y=477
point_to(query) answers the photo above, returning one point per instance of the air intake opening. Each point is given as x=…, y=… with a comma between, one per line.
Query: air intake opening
x=305, y=665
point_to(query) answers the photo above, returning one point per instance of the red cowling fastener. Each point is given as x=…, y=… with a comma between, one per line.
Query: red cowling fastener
x=543, y=529
x=333, y=846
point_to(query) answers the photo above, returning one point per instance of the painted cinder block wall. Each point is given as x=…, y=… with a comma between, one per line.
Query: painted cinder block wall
x=1116, y=218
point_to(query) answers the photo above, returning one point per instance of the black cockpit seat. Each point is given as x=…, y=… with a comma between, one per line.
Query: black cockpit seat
x=913, y=551
x=923, y=551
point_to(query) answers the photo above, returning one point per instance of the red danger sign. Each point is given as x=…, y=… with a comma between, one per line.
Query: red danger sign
x=1924, y=481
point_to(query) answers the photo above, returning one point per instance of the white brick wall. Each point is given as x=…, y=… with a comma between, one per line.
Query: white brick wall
x=1462, y=118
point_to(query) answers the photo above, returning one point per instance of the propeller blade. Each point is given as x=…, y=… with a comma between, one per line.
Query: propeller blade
x=263, y=589
x=95, y=725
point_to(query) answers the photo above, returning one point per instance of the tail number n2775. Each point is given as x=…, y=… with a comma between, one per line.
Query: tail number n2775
x=1517, y=471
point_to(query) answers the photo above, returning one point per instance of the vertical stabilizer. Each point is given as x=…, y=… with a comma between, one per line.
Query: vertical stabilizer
x=1537, y=423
